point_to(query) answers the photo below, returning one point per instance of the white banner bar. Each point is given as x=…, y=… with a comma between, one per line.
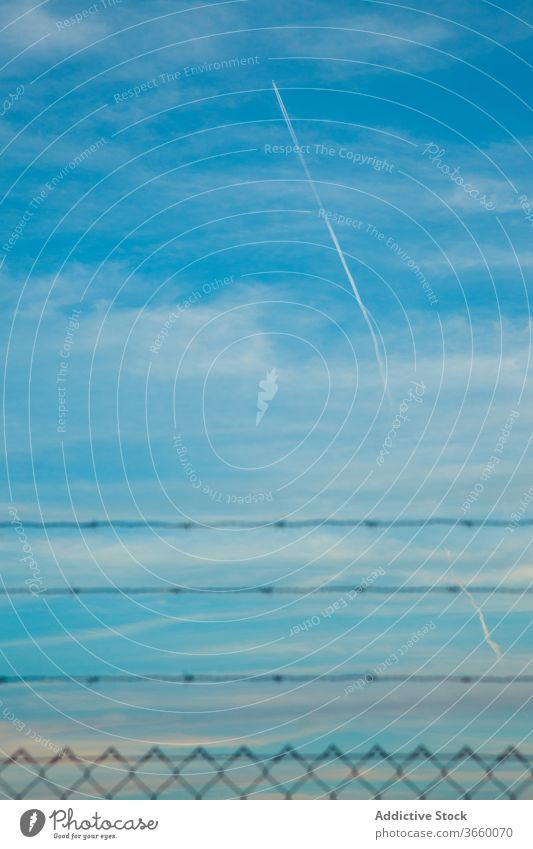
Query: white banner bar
x=267, y=824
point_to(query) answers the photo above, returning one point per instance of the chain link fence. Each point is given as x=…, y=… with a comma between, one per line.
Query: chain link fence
x=289, y=774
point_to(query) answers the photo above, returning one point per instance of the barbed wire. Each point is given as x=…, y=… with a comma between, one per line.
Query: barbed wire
x=188, y=525
x=259, y=677
x=268, y=590
x=289, y=774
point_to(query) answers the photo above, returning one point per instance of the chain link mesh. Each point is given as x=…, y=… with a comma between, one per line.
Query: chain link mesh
x=289, y=774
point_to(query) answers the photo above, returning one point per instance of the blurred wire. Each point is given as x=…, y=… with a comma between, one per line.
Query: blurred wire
x=187, y=525
x=267, y=590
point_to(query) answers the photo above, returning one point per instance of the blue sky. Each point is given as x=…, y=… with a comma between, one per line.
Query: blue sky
x=149, y=195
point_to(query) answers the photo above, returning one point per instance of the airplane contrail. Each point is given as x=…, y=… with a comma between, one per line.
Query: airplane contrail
x=334, y=239
x=486, y=633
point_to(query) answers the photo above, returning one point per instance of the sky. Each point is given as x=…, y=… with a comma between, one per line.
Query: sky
x=182, y=340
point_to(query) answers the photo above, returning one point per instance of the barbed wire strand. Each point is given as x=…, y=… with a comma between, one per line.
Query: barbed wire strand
x=275, y=523
x=266, y=590
x=215, y=678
